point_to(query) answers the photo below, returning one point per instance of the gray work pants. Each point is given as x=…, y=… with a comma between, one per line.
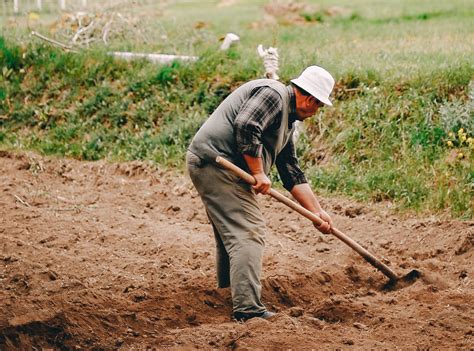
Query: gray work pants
x=239, y=229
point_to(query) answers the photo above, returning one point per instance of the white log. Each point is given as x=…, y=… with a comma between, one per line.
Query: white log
x=62, y=4
x=84, y=3
x=39, y=4
x=154, y=58
x=15, y=6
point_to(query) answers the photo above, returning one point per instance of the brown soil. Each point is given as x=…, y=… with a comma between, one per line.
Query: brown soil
x=120, y=256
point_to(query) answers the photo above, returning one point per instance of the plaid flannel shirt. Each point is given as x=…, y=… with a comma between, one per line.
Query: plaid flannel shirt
x=260, y=112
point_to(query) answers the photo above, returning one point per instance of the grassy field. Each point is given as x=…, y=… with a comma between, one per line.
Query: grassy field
x=401, y=129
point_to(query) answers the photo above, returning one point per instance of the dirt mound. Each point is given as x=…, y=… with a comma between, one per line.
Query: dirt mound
x=120, y=256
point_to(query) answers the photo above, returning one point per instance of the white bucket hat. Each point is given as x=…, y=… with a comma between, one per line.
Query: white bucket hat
x=316, y=81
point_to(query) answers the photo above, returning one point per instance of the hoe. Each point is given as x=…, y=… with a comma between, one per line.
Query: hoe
x=394, y=282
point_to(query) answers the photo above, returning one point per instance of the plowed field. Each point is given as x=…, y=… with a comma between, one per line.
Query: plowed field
x=95, y=255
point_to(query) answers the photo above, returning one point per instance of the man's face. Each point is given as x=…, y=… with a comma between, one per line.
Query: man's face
x=306, y=105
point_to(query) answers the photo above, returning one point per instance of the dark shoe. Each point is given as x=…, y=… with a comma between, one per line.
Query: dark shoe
x=242, y=316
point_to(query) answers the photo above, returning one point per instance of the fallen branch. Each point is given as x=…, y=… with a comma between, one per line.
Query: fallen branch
x=54, y=42
x=82, y=30
x=76, y=209
x=22, y=201
x=105, y=32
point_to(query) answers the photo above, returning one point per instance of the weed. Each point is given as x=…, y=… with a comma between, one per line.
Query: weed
x=459, y=114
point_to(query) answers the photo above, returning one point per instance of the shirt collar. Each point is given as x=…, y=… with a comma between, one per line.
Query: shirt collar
x=292, y=111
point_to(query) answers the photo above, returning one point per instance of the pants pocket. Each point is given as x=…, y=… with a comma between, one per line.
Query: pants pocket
x=194, y=160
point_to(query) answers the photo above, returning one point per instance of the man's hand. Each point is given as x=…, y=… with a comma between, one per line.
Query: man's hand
x=255, y=164
x=324, y=228
x=263, y=184
x=305, y=196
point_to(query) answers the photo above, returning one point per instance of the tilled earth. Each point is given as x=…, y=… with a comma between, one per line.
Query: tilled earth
x=96, y=255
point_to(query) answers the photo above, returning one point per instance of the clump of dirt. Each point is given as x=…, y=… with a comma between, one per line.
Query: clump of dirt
x=289, y=12
x=466, y=245
x=121, y=256
x=35, y=329
x=338, y=310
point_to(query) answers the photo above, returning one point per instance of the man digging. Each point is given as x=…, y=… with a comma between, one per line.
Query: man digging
x=253, y=128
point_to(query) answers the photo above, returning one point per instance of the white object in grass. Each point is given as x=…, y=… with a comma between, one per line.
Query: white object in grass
x=270, y=61
x=229, y=40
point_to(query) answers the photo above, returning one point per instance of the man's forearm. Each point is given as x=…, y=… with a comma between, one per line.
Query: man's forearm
x=305, y=196
x=255, y=164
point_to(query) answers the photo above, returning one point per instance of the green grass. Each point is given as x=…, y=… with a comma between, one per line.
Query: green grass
x=403, y=72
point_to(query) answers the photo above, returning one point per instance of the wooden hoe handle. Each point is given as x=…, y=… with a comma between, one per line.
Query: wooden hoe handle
x=312, y=217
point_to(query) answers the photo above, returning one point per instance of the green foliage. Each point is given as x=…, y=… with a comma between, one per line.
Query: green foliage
x=390, y=142
x=317, y=16
x=423, y=16
x=10, y=57
x=90, y=106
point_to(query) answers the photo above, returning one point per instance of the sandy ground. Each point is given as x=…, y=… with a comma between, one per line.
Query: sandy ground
x=120, y=256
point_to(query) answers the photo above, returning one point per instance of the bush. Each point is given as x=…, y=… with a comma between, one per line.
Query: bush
x=458, y=114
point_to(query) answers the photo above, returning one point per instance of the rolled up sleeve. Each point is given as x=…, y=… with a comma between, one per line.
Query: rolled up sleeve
x=256, y=114
x=288, y=168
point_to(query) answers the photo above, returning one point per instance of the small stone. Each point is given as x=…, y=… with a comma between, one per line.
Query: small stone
x=191, y=318
x=180, y=190
x=360, y=326
x=128, y=288
x=191, y=216
x=293, y=228
x=323, y=278
x=348, y=342
x=52, y=275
